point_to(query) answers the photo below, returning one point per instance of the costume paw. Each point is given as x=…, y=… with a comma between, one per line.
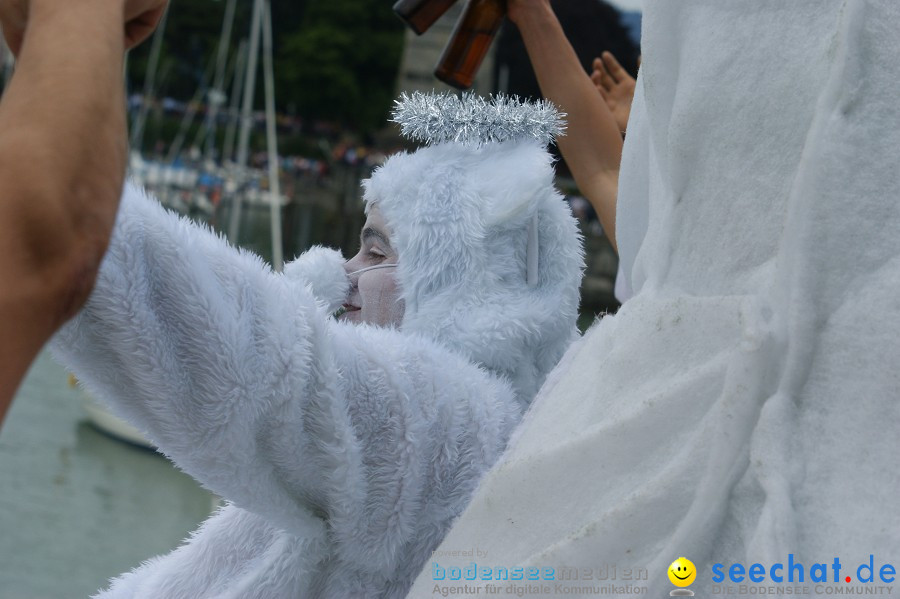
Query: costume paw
x=322, y=269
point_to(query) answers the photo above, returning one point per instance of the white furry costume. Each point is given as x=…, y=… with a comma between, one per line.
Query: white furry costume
x=344, y=451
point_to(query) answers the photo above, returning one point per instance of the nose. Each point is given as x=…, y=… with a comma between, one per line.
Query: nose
x=353, y=277
x=353, y=264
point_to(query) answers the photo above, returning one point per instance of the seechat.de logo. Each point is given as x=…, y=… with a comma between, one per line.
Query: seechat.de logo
x=792, y=571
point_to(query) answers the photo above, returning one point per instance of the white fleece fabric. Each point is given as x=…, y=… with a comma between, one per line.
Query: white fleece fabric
x=344, y=451
x=743, y=405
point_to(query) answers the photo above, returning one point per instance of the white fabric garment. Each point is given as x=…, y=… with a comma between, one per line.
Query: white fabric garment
x=344, y=451
x=742, y=406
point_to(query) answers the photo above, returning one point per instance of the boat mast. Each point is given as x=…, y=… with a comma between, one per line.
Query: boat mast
x=217, y=93
x=188, y=117
x=137, y=131
x=261, y=24
x=246, y=116
x=236, y=91
x=272, y=141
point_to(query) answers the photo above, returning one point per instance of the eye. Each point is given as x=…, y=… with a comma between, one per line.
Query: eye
x=376, y=254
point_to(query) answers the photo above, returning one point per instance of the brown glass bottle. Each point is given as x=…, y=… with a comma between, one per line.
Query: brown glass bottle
x=469, y=42
x=421, y=14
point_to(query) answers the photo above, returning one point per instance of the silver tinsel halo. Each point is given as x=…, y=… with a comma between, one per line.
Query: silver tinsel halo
x=437, y=118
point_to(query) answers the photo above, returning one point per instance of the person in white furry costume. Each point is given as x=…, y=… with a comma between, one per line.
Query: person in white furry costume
x=344, y=450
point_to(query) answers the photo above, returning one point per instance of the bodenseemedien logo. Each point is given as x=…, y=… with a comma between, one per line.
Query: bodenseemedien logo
x=682, y=573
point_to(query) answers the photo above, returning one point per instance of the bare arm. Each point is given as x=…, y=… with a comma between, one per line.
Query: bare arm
x=592, y=145
x=63, y=151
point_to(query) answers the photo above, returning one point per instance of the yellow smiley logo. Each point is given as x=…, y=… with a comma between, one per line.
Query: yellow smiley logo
x=682, y=572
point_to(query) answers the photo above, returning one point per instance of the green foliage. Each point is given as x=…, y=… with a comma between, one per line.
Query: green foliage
x=342, y=63
x=336, y=60
x=190, y=42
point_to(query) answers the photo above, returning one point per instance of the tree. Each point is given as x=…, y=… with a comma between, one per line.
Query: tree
x=341, y=65
x=192, y=38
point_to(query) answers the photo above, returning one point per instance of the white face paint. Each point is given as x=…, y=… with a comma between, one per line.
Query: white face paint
x=374, y=294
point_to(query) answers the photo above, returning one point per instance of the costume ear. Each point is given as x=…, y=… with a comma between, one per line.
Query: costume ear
x=322, y=270
x=511, y=178
x=435, y=216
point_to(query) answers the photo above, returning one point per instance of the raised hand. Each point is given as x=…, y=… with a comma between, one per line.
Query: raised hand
x=139, y=19
x=616, y=87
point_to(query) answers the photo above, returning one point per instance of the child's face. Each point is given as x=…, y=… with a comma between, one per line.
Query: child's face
x=374, y=295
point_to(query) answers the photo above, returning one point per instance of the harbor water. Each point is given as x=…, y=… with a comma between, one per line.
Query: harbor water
x=76, y=505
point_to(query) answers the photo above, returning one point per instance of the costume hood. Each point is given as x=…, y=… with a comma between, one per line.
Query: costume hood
x=460, y=210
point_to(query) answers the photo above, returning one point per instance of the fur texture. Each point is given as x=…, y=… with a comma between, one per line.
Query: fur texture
x=345, y=451
x=322, y=269
x=459, y=216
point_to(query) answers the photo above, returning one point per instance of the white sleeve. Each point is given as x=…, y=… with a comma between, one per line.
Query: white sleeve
x=241, y=378
x=204, y=349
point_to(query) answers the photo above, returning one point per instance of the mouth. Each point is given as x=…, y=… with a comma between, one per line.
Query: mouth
x=348, y=312
x=679, y=577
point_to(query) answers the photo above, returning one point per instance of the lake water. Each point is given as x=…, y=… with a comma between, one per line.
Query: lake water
x=77, y=506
